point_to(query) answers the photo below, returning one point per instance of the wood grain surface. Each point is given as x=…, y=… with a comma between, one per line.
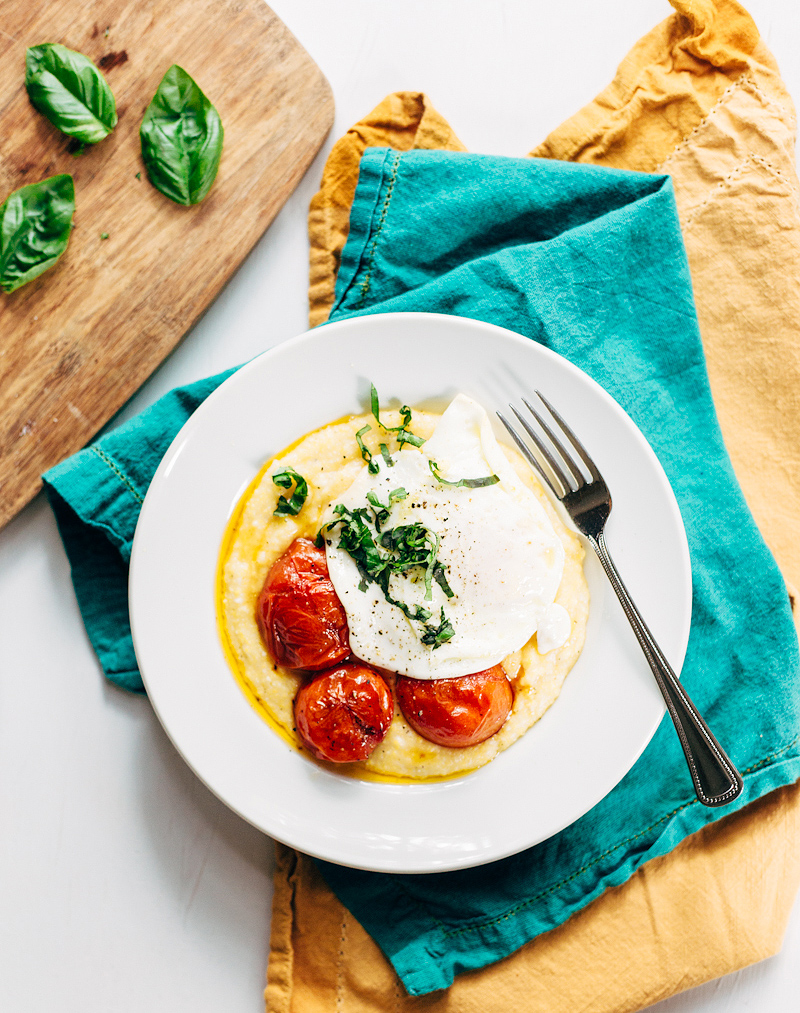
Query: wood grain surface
x=78, y=341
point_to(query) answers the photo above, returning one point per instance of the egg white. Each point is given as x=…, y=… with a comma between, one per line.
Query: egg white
x=503, y=559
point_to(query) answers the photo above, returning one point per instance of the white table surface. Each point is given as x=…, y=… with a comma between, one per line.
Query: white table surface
x=124, y=884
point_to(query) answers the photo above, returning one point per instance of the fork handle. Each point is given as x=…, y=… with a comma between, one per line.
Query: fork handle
x=716, y=780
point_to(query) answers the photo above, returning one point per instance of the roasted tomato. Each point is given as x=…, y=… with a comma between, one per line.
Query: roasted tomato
x=342, y=714
x=456, y=712
x=302, y=621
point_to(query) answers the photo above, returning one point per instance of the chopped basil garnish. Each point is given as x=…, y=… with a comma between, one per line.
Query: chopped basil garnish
x=441, y=580
x=373, y=396
x=397, y=550
x=356, y=540
x=404, y=435
x=380, y=511
x=467, y=483
x=414, y=545
x=438, y=635
x=372, y=466
x=285, y=479
x=378, y=553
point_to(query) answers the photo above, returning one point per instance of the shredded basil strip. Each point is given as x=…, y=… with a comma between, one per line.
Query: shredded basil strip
x=285, y=479
x=441, y=580
x=467, y=483
x=372, y=466
x=387, y=457
x=373, y=396
x=380, y=511
x=35, y=225
x=397, y=550
x=430, y=568
x=404, y=435
x=181, y=136
x=67, y=88
x=438, y=635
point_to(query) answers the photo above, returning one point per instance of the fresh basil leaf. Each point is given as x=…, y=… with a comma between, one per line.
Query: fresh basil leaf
x=285, y=480
x=70, y=91
x=466, y=483
x=181, y=136
x=387, y=457
x=35, y=224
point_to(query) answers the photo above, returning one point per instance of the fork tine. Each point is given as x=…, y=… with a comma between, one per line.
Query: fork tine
x=572, y=467
x=527, y=454
x=558, y=471
x=577, y=446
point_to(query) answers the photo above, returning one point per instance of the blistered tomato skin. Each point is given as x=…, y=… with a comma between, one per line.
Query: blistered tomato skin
x=342, y=714
x=456, y=712
x=301, y=619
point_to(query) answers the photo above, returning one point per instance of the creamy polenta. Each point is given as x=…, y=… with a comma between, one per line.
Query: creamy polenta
x=330, y=460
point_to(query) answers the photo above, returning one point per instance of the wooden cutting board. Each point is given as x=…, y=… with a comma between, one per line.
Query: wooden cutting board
x=78, y=341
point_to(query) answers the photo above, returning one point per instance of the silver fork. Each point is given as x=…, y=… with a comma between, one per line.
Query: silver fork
x=716, y=780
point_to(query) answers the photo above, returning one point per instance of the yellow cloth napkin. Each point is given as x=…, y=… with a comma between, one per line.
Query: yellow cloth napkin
x=404, y=121
x=699, y=97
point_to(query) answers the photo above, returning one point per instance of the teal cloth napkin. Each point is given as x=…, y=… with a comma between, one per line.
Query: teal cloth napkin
x=589, y=262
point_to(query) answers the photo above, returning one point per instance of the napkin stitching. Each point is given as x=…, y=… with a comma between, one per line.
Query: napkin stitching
x=737, y=171
x=761, y=763
x=339, y=963
x=768, y=100
x=384, y=211
x=740, y=82
x=717, y=190
x=684, y=142
x=119, y=473
x=773, y=168
x=557, y=886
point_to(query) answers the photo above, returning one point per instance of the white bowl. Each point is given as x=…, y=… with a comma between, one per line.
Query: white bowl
x=581, y=748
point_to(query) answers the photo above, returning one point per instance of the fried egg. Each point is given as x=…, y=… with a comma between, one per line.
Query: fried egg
x=501, y=557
